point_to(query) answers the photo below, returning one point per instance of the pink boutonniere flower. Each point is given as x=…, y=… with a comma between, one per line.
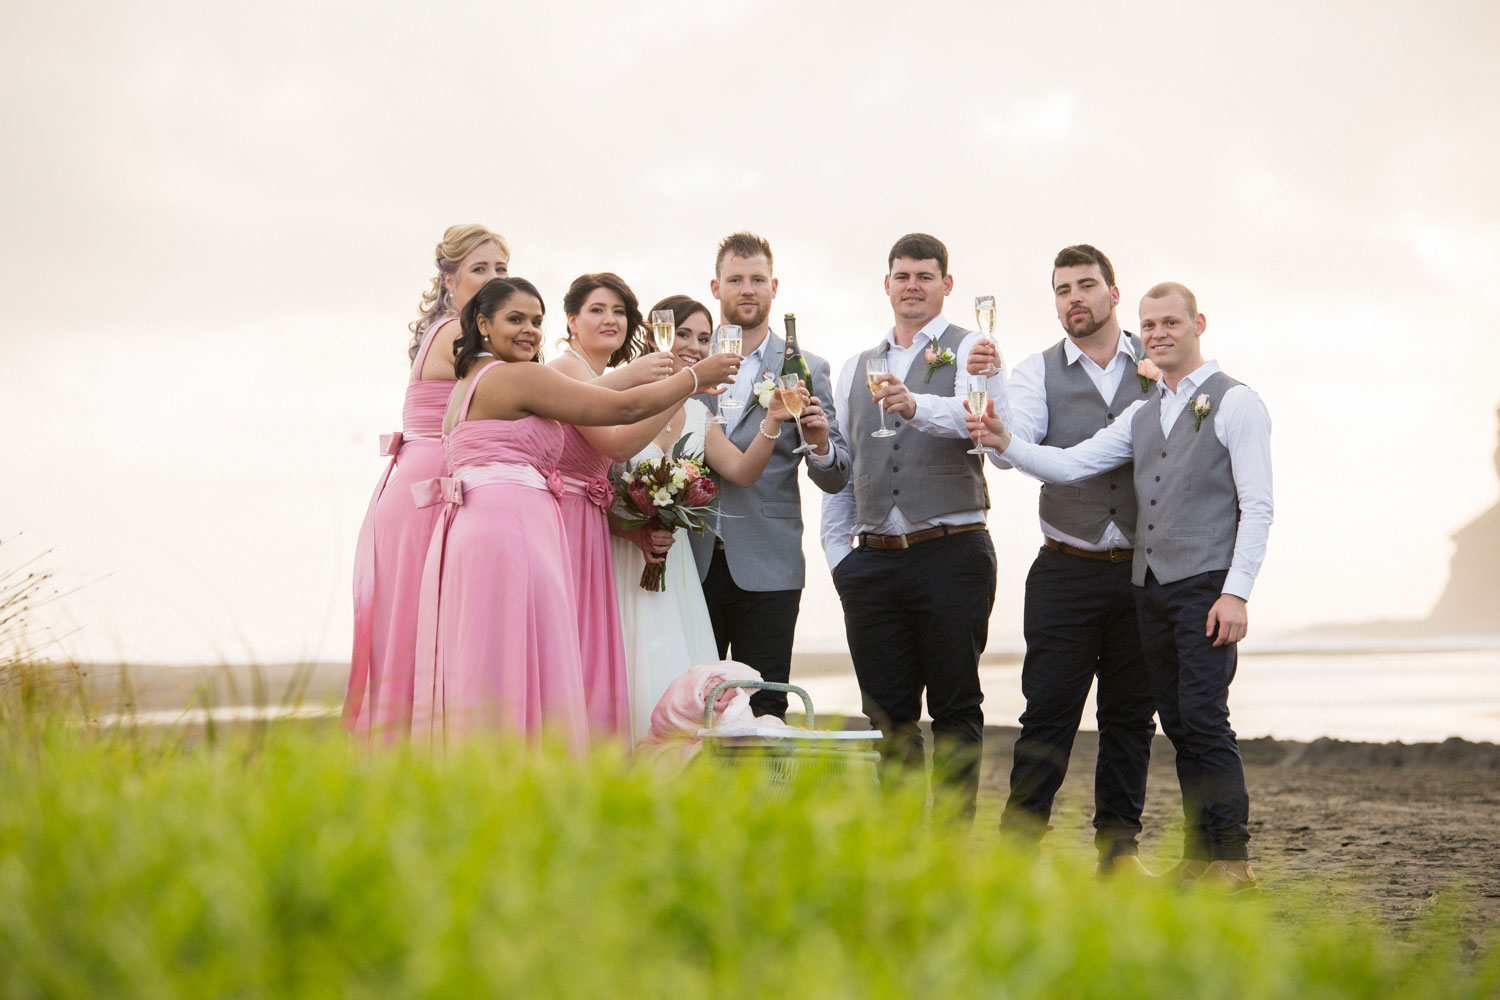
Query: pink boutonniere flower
x=936, y=360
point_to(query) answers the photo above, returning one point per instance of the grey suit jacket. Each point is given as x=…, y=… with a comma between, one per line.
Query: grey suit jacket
x=762, y=523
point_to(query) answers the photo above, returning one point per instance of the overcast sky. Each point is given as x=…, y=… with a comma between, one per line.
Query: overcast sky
x=218, y=220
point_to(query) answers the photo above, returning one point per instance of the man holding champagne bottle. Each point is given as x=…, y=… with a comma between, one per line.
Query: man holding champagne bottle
x=906, y=539
x=754, y=572
x=1080, y=618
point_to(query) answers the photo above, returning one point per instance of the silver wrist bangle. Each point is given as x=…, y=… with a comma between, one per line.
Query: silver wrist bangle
x=693, y=373
x=768, y=437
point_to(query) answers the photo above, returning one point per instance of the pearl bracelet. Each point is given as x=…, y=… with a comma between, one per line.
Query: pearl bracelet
x=693, y=373
x=768, y=437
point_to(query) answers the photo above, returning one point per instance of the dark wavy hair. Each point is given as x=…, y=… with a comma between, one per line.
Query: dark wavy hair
x=486, y=302
x=1082, y=255
x=635, y=324
x=682, y=307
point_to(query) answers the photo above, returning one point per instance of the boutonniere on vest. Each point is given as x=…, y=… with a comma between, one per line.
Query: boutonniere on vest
x=765, y=389
x=1201, y=407
x=936, y=360
x=1145, y=369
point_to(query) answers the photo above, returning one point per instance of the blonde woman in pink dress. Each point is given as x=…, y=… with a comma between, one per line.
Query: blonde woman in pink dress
x=668, y=632
x=605, y=330
x=498, y=645
x=393, y=539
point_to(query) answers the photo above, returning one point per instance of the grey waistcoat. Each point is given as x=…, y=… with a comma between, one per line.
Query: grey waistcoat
x=1189, y=509
x=925, y=475
x=1075, y=412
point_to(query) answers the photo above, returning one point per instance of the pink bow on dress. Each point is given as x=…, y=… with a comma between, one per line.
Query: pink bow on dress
x=390, y=443
x=441, y=490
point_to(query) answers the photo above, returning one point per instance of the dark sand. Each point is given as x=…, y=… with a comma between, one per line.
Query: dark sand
x=1379, y=828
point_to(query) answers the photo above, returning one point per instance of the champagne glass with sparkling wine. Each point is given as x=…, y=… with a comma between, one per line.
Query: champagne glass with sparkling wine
x=984, y=312
x=978, y=393
x=730, y=343
x=663, y=329
x=875, y=369
x=792, y=400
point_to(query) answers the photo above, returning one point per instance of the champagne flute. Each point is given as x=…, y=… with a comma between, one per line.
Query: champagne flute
x=984, y=312
x=729, y=343
x=875, y=369
x=663, y=329
x=792, y=400
x=978, y=387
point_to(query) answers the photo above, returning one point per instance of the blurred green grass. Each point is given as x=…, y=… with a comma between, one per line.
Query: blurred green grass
x=273, y=860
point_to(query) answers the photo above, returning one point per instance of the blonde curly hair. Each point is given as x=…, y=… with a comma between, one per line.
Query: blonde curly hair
x=457, y=243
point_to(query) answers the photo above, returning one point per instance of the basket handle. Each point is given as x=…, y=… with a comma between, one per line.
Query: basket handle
x=713, y=696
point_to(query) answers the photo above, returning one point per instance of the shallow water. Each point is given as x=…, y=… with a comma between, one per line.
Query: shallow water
x=1368, y=695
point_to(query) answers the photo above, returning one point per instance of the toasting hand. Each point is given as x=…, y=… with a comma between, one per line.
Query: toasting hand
x=650, y=368
x=987, y=428
x=984, y=357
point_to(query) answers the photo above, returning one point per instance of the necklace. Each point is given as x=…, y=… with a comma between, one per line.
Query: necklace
x=585, y=361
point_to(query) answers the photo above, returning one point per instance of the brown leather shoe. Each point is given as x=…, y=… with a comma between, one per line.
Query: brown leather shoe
x=1227, y=878
x=1124, y=866
x=1182, y=873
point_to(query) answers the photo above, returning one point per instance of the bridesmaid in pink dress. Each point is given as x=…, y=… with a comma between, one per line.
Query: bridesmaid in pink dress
x=393, y=539
x=498, y=644
x=605, y=330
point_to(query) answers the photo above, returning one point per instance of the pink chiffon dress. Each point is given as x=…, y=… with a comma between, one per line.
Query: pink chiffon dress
x=587, y=497
x=388, y=562
x=497, y=642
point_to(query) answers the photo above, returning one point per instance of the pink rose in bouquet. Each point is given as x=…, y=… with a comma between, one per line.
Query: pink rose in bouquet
x=700, y=491
x=640, y=495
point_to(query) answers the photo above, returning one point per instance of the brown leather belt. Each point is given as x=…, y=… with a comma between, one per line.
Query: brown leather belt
x=873, y=541
x=1111, y=556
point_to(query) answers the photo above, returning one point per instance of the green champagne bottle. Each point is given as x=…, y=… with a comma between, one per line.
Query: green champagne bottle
x=793, y=364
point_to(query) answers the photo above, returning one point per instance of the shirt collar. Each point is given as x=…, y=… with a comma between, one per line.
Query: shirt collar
x=932, y=331
x=1074, y=352
x=1192, y=381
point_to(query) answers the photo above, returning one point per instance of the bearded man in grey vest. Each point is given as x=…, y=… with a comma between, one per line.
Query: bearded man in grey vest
x=1201, y=452
x=906, y=541
x=1079, y=617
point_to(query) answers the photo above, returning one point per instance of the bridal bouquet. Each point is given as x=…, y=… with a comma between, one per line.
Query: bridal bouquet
x=669, y=493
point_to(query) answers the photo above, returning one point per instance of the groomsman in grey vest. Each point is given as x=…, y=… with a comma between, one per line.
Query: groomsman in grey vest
x=1080, y=618
x=1201, y=448
x=754, y=571
x=906, y=539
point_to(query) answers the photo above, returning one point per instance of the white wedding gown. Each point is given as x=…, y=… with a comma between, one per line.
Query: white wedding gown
x=667, y=632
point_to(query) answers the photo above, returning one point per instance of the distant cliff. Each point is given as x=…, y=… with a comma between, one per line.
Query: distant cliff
x=1470, y=604
x=1471, y=601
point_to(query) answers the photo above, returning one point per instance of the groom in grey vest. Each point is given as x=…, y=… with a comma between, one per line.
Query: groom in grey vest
x=1079, y=619
x=1201, y=451
x=754, y=571
x=906, y=541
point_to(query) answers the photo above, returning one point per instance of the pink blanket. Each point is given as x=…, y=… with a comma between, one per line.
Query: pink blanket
x=673, y=740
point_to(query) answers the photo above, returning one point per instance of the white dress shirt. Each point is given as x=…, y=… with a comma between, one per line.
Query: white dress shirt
x=1024, y=410
x=943, y=416
x=752, y=367
x=1241, y=424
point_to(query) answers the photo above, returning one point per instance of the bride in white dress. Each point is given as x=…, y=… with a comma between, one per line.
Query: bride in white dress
x=668, y=632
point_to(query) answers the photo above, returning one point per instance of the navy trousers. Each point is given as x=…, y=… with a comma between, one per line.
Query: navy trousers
x=917, y=619
x=1080, y=623
x=754, y=627
x=1190, y=680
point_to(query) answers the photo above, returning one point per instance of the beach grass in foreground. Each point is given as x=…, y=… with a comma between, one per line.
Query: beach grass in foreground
x=275, y=861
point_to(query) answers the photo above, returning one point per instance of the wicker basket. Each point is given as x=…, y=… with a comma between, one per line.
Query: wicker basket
x=831, y=757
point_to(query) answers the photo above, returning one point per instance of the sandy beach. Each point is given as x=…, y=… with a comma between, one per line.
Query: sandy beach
x=1383, y=827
